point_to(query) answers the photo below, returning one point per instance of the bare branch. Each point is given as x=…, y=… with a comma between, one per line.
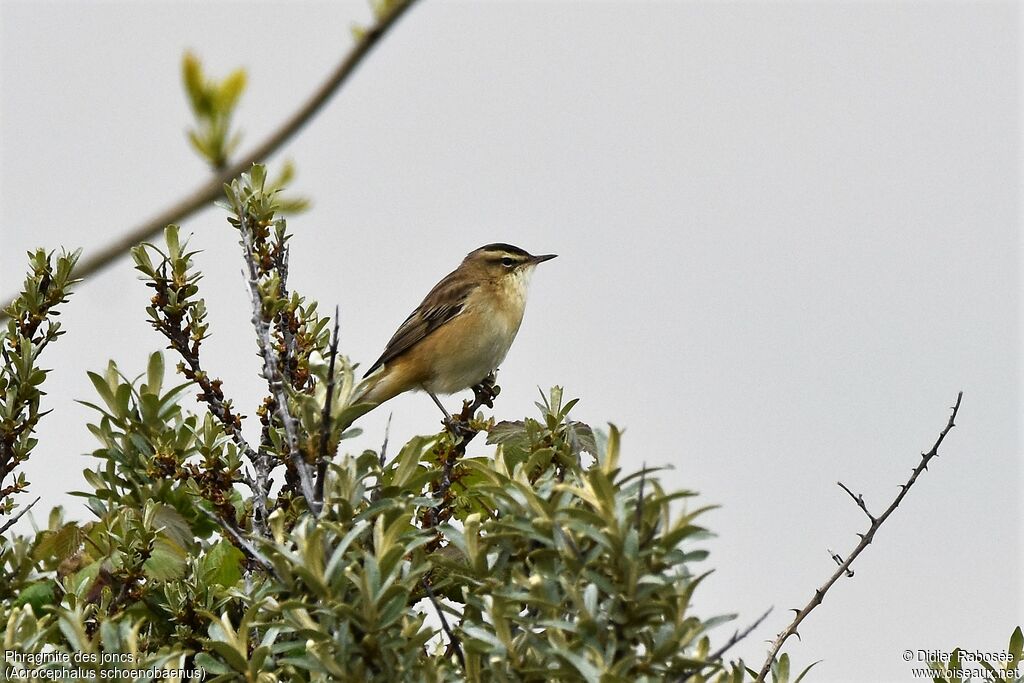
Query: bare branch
x=737, y=637
x=865, y=541
x=858, y=499
x=717, y=655
x=13, y=520
x=453, y=640
x=325, y=416
x=212, y=190
x=247, y=546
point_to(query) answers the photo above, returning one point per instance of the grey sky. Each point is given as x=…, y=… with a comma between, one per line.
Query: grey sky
x=788, y=235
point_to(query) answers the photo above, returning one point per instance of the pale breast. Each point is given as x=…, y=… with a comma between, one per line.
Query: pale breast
x=485, y=332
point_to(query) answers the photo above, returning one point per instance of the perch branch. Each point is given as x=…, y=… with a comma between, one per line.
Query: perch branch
x=865, y=541
x=462, y=433
x=212, y=189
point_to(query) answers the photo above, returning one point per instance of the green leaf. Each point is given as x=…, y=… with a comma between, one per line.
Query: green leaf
x=589, y=672
x=37, y=595
x=173, y=525
x=104, y=391
x=192, y=76
x=780, y=672
x=166, y=562
x=222, y=565
x=58, y=545
x=231, y=88
x=155, y=374
x=211, y=665
x=508, y=431
x=1016, y=647
x=804, y=672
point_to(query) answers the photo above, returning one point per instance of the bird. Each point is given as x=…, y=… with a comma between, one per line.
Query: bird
x=460, y=332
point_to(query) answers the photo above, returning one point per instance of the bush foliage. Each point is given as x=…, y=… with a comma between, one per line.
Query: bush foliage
x=534, y=556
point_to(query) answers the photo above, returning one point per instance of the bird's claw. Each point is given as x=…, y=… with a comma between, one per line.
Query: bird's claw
x=456, y=427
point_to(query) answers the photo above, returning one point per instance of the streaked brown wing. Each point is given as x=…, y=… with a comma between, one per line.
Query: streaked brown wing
x=444, y=302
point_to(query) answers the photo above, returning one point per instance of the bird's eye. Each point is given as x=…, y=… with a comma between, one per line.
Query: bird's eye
x=507, y=262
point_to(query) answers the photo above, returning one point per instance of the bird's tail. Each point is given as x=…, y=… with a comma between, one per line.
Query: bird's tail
x=375, y=389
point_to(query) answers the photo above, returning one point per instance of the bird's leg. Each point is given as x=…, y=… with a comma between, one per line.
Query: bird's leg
x=437, y=402
x=453, y=425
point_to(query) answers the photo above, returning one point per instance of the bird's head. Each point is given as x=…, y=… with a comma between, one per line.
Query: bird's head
x=503, y=262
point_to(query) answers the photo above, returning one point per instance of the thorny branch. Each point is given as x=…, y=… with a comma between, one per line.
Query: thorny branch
x=47, y=286
x=271, y=371
x=212, y=394
x=178, y=330
x=212, y=189
x=858, y=499
x=717, y=655
x=325, y=416
x=865, y=541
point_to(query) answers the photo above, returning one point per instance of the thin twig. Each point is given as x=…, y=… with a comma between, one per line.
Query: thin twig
x=242, y=542
x=213, y=189
x=858, y=499
x=717, y=655
x=325, y=416
x=13, y=520
x=453, y=640
x=212, y=393
x=865, y=541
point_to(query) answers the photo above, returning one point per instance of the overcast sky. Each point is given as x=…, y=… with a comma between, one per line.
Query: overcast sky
x=788, y=235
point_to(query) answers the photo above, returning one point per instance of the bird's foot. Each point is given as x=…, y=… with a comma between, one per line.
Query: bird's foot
x=457, y=427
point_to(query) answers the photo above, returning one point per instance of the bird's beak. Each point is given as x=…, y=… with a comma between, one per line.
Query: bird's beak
x=542, y=258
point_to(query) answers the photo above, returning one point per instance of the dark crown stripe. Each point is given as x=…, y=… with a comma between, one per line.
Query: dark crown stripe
x=501, y=247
